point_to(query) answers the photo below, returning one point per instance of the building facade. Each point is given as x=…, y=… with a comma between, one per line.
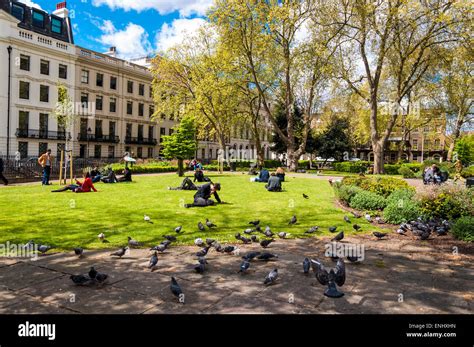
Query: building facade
x=112, y=98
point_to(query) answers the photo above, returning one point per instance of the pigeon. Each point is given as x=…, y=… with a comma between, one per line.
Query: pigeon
x=203, y=251
x=249, y=256
x=257, y=228
x=147, y=219
x=199, y=242
x=353, y=259
x=379, y=235
x=425, y=235
x=306, y=265
x=209, y=242
x=267, y=228
x=338, y=237
x=177, y=230
x=201, y=226
x=218, y=247
x=43, y=248
x=356, y=227
x=333, y=257
x=201, y=267
x=356, y=215
x=292, y=220
x=120, y=253
x=160, y=248
x=271, y=277
x=175, y=288
x=92, y=272
x=368, y=218
x=100, y=277
x=170, y=238
x=332, y=229
x=268, y=233
x=153, y=261
x=101, y=237
x=266, y=256
x=80, y=280
x=244, y=266
x=254, y=238
x=210, y=224
x=266, y=243
x=441, y=231
x=335, y=277
x=249, y=231
x=238, y=236
x=305, y=196
x=400, y=231
x=255, y=222
x=79, y=251
x=346, y=219
x=229, y=249
x=132, y=242
x=283, y=235
x=379, y=220
x=245, y=240
x=312, y=230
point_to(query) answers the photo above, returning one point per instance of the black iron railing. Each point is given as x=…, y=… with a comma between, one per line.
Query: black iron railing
x=42, y=134
x=141, y=141
x=98, y=138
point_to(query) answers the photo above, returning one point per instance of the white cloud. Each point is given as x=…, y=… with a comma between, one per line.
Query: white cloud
x=30, y=3
x=131, y=42
x=174, y=33
x=185, y=8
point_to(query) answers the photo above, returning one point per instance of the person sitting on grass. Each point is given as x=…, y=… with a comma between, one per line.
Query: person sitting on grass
x=199, y=176
x=280, y=173
x=202, y=196
x=110, y=178
x=263, y=176
x=80, y=187
x=274, y=183
x=95, y=175
x=187, y=184
x=127, y=175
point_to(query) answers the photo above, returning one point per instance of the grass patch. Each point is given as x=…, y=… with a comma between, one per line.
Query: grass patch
x=66, y=220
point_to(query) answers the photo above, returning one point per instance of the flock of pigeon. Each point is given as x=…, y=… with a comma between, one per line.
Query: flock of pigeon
x=332, y=278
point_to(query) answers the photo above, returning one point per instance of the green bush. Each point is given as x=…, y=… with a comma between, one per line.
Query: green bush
x=463, y=228
x=246, y=164
x=345, y=193
x=447, y=201
x=381, y=185
x=149, y=167
x=352, y=166
x=468, y=172
x=406, y=172
x=415, y=167
x=366, y=200
x=400, y=194
x=391, y=169
x=402, y=210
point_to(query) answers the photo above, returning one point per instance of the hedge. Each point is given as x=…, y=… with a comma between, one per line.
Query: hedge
x=361, y=166
x=383, y=186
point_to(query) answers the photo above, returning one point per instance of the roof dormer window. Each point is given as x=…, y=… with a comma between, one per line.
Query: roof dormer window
x=56, y=25
x=38, y=19
x=18, y=12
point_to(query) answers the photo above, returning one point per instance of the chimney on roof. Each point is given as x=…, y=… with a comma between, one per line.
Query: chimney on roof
x=112, y=52
x=61, y=10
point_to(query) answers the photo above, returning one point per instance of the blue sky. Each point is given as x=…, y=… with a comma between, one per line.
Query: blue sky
x=135, y=27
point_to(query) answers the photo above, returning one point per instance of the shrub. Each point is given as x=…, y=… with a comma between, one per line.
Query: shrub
x=468, y=172
x=448, y=201
x=415, y=167
x=400, y=194
x=463, y=228
x=406, y=172
x=381, y=185
x=366, y=200
x=403, y=210
x=352, y=166
x=345, y=193
x=391, y=169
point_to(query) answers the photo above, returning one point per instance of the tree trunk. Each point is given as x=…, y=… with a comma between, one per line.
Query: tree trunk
x=180, y=168
x=292, y=160
x=455, y=136
x=378, y=157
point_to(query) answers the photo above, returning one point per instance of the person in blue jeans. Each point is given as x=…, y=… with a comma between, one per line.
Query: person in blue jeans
x=263, y=176
x=46, y=160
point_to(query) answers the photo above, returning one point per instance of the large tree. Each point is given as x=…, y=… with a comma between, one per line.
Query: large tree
x=391, y=44
x=196, y=78
x=285, y=51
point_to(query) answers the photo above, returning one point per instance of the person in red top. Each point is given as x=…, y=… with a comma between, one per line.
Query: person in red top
x=80, y=187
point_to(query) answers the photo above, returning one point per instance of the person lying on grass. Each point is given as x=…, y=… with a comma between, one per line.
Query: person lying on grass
x=84, y=187
x=274, y=183
x=202, y=196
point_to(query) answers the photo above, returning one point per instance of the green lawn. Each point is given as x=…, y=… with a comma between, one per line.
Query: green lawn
x=66, y=220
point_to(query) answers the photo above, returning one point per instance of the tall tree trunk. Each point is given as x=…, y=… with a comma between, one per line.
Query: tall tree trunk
x=456, y=134
x=378, y=149
x=292, y=159
x=180, y=168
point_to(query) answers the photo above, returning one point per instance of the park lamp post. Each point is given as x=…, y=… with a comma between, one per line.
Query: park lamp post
x=89, y=131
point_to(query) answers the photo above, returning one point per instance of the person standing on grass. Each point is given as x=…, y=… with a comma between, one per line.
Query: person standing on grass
x=45, y=160
x=5, y=181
